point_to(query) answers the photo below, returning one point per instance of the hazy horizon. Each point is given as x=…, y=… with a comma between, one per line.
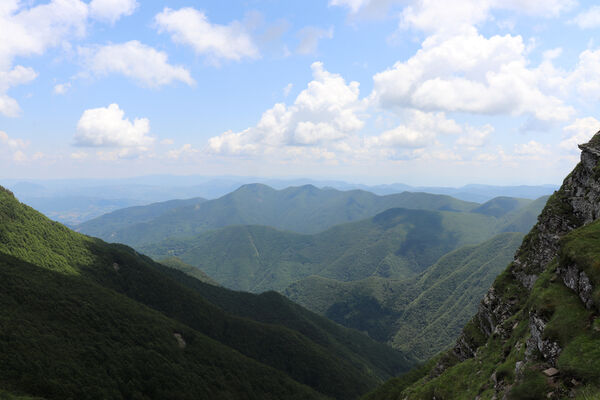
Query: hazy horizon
x=357, y=90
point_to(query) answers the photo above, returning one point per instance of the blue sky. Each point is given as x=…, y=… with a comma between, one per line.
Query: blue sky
x=423, y=92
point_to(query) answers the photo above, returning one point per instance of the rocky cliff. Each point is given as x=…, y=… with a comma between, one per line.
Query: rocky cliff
x=536, y=333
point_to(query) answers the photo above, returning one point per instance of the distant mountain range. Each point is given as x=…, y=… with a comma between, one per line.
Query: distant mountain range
x=367, y=274
x=303, y=209
x=73, y=201
x=84, y=319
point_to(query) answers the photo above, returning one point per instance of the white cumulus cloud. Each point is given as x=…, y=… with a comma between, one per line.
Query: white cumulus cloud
x=588, y=19
x=470, y=73
x=108, y=127
x=144, y=64
x=579, y=132
x=112, y=10
x=326, y=111
x=191, y=27
x=28, y=31
x=420, y=130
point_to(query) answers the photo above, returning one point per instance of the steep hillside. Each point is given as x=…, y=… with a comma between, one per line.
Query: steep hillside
x=398, y=243
x=422, y=315
x=90, y=304
x=304, y=209
x=537, y=331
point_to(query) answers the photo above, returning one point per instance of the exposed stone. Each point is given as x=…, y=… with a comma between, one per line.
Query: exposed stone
x=493, y=312
x=463, y=349
x=585, y=290
x=550, y=372
x=519, y=368
x=116, y=267
x=548, y=349
x=579, y=282
x=576, y=203
x=180, y=341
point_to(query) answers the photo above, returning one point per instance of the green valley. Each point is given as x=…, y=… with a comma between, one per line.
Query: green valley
x=80, y=316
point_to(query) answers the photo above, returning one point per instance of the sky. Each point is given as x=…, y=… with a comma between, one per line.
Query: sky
x=423, y=92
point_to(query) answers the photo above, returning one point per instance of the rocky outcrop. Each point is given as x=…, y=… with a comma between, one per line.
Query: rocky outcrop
x=548, y=349
x=575, y=204
x=579, y=282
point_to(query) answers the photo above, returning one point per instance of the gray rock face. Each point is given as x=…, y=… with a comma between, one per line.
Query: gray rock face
x=575, y=204
x=548, y=349
x=579, y=282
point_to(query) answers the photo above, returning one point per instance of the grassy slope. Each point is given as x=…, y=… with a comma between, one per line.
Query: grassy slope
x=422, y=315
x=32, y=238
x=575, y=328
x=304, y=209
x=397, y=243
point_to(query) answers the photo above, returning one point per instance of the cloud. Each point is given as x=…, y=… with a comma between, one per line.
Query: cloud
x=531, y=150
x=475, y=137
x=16, y=76
x=469, y=73
x=287, y=89
x=30, y=31
x=108, y=127
x=62, y=88
x=191, y=27
x=579, y=132
x=326, y=111
x=326, y=123
x=310, y=36
x=588, y=19
x=112, y=10
x=79, y=155
x=420, y=130
x=586, y=75
x=436, y=16
x=366, y=7
x=183, y=151
x=12, y=144
x=145, y=65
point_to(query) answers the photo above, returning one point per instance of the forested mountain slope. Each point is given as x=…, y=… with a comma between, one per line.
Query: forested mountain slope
x=85, y=319
x=398, y=243
x=304, y=209
x=422, y=315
